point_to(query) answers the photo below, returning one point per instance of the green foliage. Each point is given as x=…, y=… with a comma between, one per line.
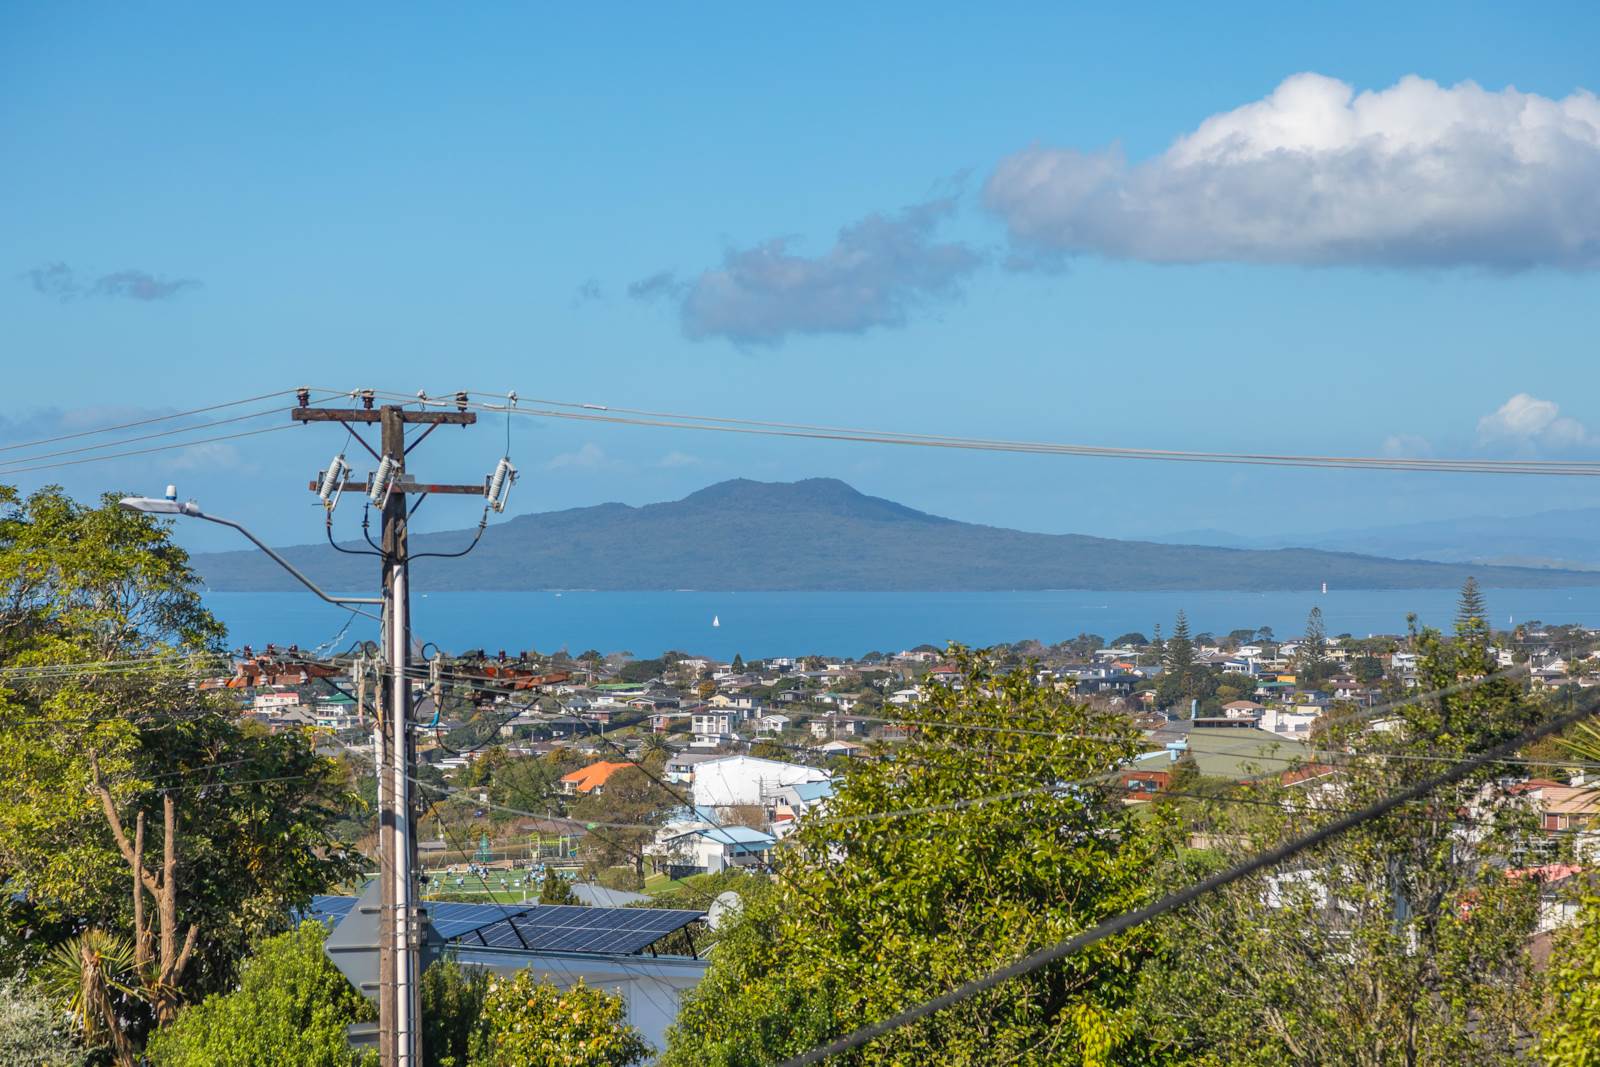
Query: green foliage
x=33, y=1032
x=86, y=586
x=91, y=974
x=1472, y=614
x=1399, y=941
x=528, y=1023
x=1569, y=1032
x=869, y=914
x=557, y=890
x=630, y=796
x=292, y=1006
x=452, y=1012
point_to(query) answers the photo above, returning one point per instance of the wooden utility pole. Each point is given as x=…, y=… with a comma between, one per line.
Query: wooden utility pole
x=399, y=940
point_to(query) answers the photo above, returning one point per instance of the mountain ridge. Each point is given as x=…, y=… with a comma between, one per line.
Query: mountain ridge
x=821, y=534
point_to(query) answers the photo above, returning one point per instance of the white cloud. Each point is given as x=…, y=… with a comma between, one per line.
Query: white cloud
x=679, y=459
x=588, y=457
x=1406, y=446
x=1530, y=422
x=1413, y=175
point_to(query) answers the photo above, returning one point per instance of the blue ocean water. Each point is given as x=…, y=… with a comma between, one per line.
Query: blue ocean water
x=850, y=624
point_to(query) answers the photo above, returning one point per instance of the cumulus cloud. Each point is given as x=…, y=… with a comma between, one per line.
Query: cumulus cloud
x=62, y=282
x=876, y=272
x=1416, y=175
x=587, y=457
x=1529, y=422
x=1407, y=446
x=676, y=459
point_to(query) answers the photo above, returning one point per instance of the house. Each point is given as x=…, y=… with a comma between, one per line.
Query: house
x=1242, y=709
x=713, y=726
x=792, y=801
x=1289, y=722
x=590, y=780
x=842, y=748
x=736, y=781
x=772, y=724
x=709, y=849
x=680, y=767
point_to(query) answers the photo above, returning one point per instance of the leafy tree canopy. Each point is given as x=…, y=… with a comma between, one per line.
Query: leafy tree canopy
x=905, y=889
x=292, y=1006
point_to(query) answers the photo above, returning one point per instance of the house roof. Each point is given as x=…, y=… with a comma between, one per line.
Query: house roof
x=587, y=779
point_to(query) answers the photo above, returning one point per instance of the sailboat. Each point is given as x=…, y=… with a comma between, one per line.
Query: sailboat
x=715, y=622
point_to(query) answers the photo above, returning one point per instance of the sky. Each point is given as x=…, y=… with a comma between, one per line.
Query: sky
x=1351, y=229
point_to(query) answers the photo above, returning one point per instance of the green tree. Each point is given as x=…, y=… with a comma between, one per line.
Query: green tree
x=633, y=797
x=105, y=593
x=34, y=1032
x=1472, y=614
x=1400, y=941
x=1314, y=646
x=909, y=888
x=557, y=890
x=292, y=1006
x=452, y=1012
x=529, y=1023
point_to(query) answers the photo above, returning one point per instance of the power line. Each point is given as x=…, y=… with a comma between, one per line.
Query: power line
x=637, y=417
x=144, y=451
x=143, y=437
x=144, y=422
x=1128, y=920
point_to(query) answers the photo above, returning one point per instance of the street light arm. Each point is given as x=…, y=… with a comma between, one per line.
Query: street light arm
x=341, y=601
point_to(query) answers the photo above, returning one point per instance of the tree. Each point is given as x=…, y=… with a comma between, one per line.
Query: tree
x=557, y=890
x=292, y=1006
x=1314, y=647
x=33, y=1032
x=738, y=662
x=452, y=1012
x=630, y=797
x=1132, y=639
x=909, y=889
x=529, y=1023
x=106, y=592
x=1400, y=941
x=92, y=974
x=1472, y=614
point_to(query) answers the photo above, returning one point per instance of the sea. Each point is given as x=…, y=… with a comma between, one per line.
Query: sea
x=765, y=624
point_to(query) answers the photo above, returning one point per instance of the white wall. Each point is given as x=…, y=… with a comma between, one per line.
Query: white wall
x=740, y=780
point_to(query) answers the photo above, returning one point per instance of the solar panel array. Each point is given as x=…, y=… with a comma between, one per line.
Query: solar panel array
x=538, y=927
x=565, y=928
x=327, y=909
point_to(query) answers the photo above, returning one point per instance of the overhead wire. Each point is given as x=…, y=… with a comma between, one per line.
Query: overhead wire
x=638, y=417
x=145, y=422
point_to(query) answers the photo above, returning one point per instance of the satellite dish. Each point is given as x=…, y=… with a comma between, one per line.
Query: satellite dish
x=725, y=908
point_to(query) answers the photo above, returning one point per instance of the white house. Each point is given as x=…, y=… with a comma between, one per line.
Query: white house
x=1291, y=722
x=710, y=849
x=747, y=780
x=712, y=726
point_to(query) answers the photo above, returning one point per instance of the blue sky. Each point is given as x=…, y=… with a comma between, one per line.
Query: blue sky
x=845, y=216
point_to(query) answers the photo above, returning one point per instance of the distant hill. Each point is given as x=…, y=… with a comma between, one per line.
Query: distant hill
x=821, y=534
x=1562, y=539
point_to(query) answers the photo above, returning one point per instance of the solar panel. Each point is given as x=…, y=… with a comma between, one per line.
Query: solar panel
x=453, y=920
x=538, y=927
x=564, y=928
x=327, y=908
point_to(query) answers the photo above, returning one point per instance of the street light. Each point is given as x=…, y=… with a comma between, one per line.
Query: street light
x=171, y=505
